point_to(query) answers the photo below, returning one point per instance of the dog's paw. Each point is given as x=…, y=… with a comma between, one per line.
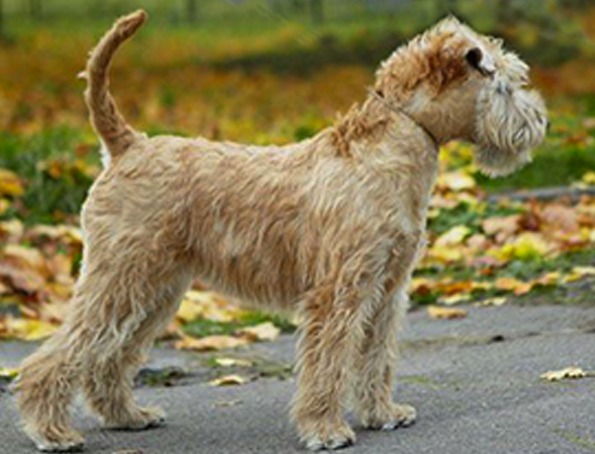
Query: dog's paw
x=322, y=437
x=142, y=419
x=396, y=416
x=74, y=444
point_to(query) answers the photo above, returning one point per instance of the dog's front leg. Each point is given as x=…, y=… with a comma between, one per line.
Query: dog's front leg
x=329, y=334
x=375, y=368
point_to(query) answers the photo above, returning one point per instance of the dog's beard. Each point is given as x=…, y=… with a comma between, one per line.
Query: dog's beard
x=497, y=163
x=510, y=124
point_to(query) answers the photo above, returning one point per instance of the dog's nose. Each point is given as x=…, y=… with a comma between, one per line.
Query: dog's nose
x=547, y=125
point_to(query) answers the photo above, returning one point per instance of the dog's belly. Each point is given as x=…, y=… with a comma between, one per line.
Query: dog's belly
x=259, y=275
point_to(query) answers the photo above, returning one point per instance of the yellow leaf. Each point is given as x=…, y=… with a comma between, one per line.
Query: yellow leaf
x=10, y=183
x=9, y=373
x=444, y=254
x=456, y=181
x=551, y=278
x=26, y=256
x=210, y=343
x=455, y=299
x=482, y=285
x=453, y=237
x=504, y=226
x=263, y=332
x=4, y=205
x=496, y=301
x=11, y=230
x=589, y=178
x=59, y=233
x=584, y=270
x=229, y=380
x=30, y=330
x=528, y=245
x=568, y=373
x=508, y=283
x=189, y=310
x=207, y=305
x=421, y=285
x=446, y=313
x=231, y=362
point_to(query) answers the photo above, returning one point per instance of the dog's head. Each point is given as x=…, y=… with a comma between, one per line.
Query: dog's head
x=458, y=84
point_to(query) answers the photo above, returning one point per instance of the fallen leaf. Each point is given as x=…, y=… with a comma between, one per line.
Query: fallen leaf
x=262, y=332
x=589, y=178
x=551, y=278
x=456, y=181
x=57, y=233
x=568, y=373
x=25, y=256
x=229, y=380
x=455, y=299
x=584, y=270
x=210, y=343
x=207, y=305
x=11, y=231
x=8, y=373
x=559, y=217
x=453, y=237
x=129, y=451
x=421, y=285
x=23, y=279
x=513, y=285
x=501, y=227
x=29, y=330
x=445, y=254
x=228, y=403
x=496, y=301
x=4, y=205
x=10, y=183
x=446, y=313
x=230, y=362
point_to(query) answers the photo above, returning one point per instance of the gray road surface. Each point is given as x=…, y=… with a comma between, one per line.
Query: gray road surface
x=475, y=383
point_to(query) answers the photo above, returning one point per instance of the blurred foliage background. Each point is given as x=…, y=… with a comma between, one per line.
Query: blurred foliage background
x=277, y=71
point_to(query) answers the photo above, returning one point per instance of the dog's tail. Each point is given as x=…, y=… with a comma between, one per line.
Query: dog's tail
x=115, y=132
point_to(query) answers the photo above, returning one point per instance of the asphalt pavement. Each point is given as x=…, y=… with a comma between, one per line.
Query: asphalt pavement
x=475, y=383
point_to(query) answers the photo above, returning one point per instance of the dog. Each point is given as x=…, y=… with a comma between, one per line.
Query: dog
x=331, y=226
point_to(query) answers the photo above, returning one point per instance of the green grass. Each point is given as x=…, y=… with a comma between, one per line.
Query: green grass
x=567, y=154
x=549, y=168
x=50, y=199
x=469, y=216
x=47, y=199
x=523, y=270
x=202, y=327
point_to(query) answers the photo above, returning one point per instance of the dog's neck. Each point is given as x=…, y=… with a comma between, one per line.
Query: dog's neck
x=398, y=109
x=369, y=122
x=387, y=141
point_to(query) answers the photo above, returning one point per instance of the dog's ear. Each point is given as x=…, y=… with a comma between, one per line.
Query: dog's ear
x=480, y=61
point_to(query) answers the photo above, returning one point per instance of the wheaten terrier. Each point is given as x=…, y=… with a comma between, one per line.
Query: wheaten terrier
x=330, y=226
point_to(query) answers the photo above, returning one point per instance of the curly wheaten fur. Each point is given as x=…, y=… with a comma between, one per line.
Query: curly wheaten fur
x=331, y=227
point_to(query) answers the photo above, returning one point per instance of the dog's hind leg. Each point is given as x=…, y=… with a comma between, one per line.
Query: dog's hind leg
x=108, y=376
x=47, y=381
x=119, y=307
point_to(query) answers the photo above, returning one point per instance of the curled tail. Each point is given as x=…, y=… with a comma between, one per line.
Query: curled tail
x=116, y=134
